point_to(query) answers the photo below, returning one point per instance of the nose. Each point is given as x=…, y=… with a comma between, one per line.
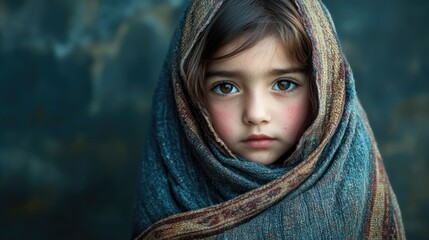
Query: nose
x=257, y=110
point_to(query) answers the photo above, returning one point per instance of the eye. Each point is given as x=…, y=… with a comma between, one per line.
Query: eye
x=284, y=85
x=224, y=88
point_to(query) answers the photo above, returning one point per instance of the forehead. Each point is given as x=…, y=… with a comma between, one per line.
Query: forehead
x=247, y=41
x=269, y=50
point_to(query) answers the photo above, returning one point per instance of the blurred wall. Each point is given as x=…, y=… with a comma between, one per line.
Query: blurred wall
x=76, y=79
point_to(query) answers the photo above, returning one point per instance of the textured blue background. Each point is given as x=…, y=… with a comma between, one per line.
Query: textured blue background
x=76, y=79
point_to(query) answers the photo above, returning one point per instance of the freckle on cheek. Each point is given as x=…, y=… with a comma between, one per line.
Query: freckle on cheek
x=220, y=122
x=293, y=118
x=221, y=115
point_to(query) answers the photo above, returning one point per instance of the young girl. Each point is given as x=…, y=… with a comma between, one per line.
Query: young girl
x=257, y=132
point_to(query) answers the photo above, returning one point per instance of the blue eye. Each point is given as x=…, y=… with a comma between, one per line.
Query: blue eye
x=225, y=88
x=284, y=86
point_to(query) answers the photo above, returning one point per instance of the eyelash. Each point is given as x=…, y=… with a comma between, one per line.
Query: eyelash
x=290, y=83
x=217, y=87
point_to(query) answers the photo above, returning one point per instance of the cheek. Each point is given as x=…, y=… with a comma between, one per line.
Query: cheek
x=295, y=117
x=222, y=119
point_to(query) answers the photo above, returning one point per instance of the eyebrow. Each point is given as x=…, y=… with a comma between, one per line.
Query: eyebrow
x=235, y=74
x=226, y=74
x=277, y=72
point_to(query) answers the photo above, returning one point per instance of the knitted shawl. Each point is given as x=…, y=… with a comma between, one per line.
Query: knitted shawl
x=334, y=184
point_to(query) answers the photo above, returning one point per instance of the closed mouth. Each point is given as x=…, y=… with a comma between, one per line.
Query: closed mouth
x=259, y=141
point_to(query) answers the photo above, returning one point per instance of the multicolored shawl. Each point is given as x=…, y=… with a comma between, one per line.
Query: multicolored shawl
x=333, y=186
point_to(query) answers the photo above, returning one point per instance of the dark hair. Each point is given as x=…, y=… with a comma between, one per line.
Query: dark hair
x=253, y=20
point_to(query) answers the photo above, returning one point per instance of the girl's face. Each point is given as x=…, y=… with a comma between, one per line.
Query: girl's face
x=258, y=100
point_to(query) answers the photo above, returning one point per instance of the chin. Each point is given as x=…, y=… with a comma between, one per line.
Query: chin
x=262, y=160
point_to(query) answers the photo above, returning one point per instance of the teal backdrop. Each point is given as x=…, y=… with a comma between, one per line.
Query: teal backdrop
x=76, y=79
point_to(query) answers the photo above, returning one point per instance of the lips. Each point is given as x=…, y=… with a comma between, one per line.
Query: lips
x=259, y=141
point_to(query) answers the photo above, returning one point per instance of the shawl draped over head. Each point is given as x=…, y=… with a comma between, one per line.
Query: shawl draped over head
x=333, y=185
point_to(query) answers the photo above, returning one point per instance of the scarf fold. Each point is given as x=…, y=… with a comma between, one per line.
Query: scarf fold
x=333, y=185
